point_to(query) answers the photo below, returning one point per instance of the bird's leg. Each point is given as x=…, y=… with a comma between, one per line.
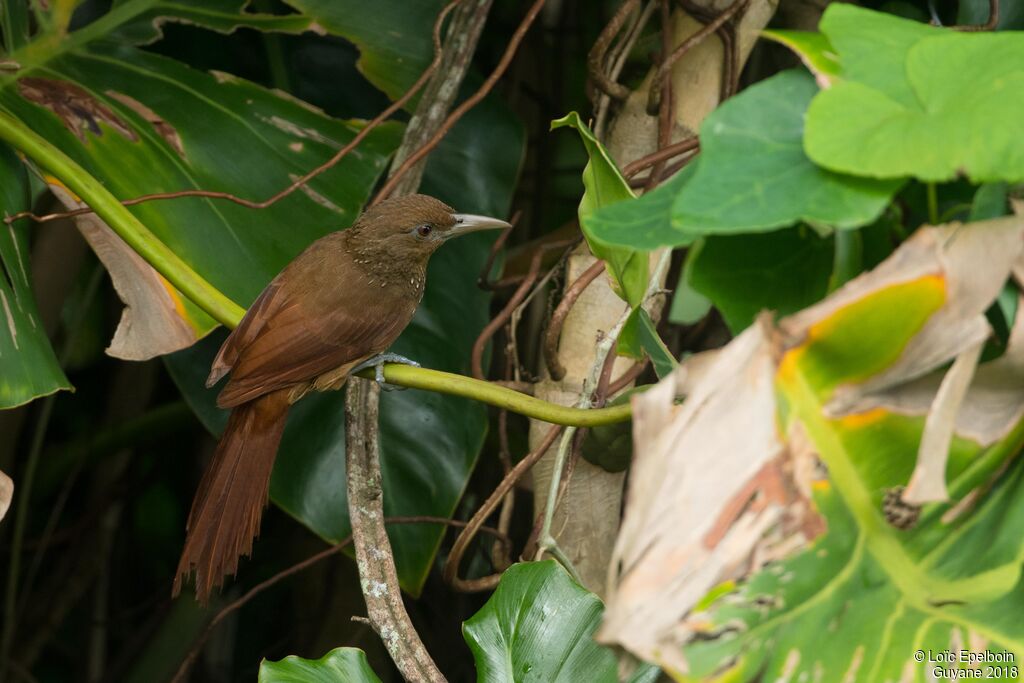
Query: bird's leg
x=377, y=363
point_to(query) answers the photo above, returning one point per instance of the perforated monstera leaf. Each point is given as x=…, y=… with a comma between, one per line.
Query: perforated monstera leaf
x=802, y=527
x=394, y=40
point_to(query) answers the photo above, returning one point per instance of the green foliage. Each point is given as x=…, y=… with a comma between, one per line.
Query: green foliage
x=340, y=665
x=145, y=123
x=610, y=447
x=752, y=176
x=538, y=626
x=640, y=339
x=879, y=591
x=782, y=271
x=919, y=101
x=394, y=40
x=139, y=21
x=605, y=186
x=28, y=365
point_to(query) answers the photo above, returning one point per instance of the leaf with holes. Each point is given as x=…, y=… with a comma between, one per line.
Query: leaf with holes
x=833, y=401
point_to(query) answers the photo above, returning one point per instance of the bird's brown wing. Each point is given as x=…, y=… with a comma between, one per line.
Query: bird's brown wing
x=295, y=342
x=246, y=331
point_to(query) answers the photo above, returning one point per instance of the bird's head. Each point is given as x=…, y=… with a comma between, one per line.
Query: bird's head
x=415, y=225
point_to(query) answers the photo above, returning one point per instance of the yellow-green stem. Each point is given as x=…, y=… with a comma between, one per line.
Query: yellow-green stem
x=121, y=220
x=502, y=397
x=227, y=312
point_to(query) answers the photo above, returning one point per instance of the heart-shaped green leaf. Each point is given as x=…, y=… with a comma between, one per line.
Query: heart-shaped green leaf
x=752, y=176
x=538, y=626
x=919, y=101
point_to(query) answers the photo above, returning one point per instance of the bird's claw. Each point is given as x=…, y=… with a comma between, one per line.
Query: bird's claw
x=377, y=363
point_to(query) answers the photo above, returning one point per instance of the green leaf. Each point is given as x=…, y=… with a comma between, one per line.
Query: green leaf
x=28, y=365
x=990, y=201
x=224, y=16
x=848, y=381
x=872, y=45
x=605, y=186
x=688, y=305
x=538, y=626
x=645, y=222
x=340, y=665
x=741, y=275
x=642, y=339
x=919, y=101
x=143, y=123
x=394, y=40
x=814, y=50
x=753, y=174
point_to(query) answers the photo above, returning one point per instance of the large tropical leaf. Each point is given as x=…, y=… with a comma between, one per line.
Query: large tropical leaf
x=340, y=665
x=28, y=366
x=538, y=626
x=835, y=405
x=144, y=123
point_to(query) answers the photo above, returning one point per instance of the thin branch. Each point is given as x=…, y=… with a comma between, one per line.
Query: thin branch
x=595, y=60
x=618, y=61
x=277, y=578
x=471, y=102
x=554, y=332
x=665, y=68
x=460, y=43
x=378, y=577
x=666, y=108
x=663, y=154
x=990, y=25
x=627, y=377
x=330, y=163
x=451, y=566
x=517, y=298
x=546, y=541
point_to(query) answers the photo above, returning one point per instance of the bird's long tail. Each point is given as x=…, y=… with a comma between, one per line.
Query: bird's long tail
x=226, y=512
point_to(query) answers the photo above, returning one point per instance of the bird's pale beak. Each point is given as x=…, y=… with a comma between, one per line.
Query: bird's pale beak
x=466, y=223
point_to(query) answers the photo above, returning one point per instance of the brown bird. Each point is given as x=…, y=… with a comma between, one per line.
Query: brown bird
x=330, y=312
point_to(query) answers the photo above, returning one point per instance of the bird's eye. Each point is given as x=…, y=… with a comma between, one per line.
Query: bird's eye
x=424, y=230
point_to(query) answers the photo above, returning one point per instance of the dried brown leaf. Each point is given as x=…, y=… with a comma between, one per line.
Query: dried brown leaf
x=712, y=494
x=154, y=320
x=6, y=493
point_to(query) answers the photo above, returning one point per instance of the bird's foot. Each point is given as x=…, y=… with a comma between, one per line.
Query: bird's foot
x=377, y=363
